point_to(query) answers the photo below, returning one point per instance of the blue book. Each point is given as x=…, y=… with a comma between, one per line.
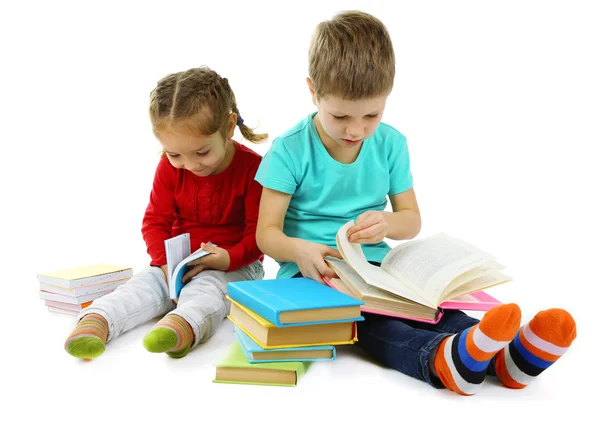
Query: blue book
x=296, y=301
x=255, y=354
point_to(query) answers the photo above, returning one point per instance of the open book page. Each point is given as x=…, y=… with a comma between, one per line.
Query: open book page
x=357, y=285
x=429, y=265
x=467, y=277
x=176, y=249
x=483, y=282
x=373, y=275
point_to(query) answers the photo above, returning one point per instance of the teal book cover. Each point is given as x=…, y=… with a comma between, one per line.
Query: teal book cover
x=256, y=354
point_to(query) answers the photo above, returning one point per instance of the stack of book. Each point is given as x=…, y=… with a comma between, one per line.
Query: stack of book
x=70, y=290
x=282, y=326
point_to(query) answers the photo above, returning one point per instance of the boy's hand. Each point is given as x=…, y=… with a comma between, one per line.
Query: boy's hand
x=309, y=257
x=217, y=260
x=371, y=227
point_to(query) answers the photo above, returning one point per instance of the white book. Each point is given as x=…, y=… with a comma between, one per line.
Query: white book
x=61, y=305
x=73, y=300
x=62, y=311
x=83, y=290
x=178, y=254
x=85, y=275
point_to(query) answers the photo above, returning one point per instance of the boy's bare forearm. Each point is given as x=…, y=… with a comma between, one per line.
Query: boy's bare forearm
x=403, y=224
x=273, y=242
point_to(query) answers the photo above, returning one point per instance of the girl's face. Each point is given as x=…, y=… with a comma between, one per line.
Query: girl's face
x=203, y=155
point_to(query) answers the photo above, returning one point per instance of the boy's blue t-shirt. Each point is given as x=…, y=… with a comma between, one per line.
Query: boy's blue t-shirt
x=326, y=193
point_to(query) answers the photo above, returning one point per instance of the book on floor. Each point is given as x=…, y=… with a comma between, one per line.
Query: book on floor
x=417, y=277
x=255, y=354
x=269, y=336
x=73, y=300
x=178, y=253
x=85, y=275
x=85, y=289
x=296, y=301
x=234, y=368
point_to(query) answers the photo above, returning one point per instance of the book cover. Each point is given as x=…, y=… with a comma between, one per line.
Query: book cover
x=178, y=255
x=85, y=275
x=234, y=368
x=296, y=301
x=260, y=331
x=255, y=354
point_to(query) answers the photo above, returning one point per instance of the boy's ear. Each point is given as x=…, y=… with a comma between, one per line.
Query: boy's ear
x=231, y=123
x=312, y=90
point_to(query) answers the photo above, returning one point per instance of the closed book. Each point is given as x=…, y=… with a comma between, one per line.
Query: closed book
x=83, y=290
x=255, y=354
x=234, y=368
x=73, y=300
x=85, y=275
x=296, y=301
x=269, y=336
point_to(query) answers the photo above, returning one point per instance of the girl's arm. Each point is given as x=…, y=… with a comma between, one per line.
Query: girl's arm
x=272, y=240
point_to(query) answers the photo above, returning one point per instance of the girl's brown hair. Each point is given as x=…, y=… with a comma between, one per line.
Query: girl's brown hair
x=198, y=99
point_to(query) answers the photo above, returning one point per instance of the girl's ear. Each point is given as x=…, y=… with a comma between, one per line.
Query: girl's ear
x=231, y=122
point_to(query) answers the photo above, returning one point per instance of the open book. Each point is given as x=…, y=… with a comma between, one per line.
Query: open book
x=417, y=277
x=178, y=256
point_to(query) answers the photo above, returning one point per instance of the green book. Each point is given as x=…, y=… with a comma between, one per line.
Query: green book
x=234, y=368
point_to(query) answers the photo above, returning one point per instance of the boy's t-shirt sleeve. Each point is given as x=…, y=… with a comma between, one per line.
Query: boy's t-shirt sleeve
x=401, y=178
x=277, y=170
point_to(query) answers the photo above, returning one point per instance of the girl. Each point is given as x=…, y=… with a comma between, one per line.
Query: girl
x=204, y=185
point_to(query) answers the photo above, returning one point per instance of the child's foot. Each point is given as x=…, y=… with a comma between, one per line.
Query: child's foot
x=172, y=335
x=88, y=339
x=536, y=346
x=461, y=360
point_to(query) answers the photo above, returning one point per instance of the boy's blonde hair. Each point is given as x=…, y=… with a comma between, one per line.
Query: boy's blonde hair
x=198, y=99
x=351, y=57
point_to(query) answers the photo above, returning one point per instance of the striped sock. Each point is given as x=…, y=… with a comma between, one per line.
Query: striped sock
x=536, y=347
x=88, y=339
x=172, y=335
x=462, y=359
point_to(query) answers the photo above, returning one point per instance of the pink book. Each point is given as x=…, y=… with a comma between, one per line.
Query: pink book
x=477, y=301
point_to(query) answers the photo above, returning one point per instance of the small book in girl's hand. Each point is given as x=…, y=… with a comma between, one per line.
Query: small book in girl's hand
x=178, y=256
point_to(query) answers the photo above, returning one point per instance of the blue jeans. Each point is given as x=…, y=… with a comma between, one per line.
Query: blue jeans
x=406, y=345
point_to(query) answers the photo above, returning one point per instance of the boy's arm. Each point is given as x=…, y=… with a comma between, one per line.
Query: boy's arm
x=403, y=223
x=272, y=240
x=405, y=220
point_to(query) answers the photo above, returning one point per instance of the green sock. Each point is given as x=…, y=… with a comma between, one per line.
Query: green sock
x=88, y=339
x=172, y=335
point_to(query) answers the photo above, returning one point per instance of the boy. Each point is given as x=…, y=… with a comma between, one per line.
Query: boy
x=342, y=163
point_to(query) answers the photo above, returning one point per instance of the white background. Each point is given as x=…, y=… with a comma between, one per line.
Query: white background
x=499, y=103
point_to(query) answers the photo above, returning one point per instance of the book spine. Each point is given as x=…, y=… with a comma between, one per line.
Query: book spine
x=254, y=305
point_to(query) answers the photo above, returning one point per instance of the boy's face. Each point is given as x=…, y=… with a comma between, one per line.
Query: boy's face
x=348, y=123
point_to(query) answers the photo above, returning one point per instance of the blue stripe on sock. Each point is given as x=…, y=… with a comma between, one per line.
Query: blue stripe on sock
x=465, y=357
x=528, y=356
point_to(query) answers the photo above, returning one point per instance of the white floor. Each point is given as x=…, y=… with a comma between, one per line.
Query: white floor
x=499, y=106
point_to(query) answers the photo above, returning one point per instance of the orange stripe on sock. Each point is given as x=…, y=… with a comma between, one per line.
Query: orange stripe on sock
x=474, y=350
x=536, y=351
x=503, y=374
x=443, y=371
x=556, y=326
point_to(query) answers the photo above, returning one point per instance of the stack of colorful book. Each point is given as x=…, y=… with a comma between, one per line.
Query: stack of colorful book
x=71, y=290
x=282, y=326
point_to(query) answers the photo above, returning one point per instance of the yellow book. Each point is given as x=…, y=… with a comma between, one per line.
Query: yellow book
x=85, y=275
x=269, y=336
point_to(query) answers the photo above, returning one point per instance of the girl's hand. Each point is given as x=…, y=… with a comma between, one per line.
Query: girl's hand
x=309, y=257
x=371, y=227
x=217, y=260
